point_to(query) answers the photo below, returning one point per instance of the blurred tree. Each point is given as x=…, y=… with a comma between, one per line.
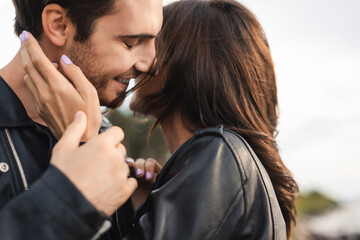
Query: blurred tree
x=136, y=131
x=314, y=203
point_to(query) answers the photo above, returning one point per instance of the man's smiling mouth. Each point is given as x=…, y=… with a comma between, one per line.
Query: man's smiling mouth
x=122, y=80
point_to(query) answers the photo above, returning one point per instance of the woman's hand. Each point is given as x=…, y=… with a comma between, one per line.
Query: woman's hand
x=58, y=98
x=97, y=168
x=145, y=171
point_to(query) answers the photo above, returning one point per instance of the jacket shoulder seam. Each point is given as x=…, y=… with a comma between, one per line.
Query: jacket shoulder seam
x=262, y=179
x=229, y=211
x=242, y=173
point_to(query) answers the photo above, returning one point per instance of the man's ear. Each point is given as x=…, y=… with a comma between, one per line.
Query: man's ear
x=58, y=27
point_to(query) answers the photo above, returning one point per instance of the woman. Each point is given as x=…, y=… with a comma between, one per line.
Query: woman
x=215, y=97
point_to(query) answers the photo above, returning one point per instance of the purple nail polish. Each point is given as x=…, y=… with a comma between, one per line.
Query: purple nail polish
x=148, y=175
x=21, y=37
x=138, y=172
x=66, y=59
x=128, y=160
x=25, y=35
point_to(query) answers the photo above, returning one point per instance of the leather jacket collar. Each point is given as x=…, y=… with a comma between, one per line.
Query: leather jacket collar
x=12, y=111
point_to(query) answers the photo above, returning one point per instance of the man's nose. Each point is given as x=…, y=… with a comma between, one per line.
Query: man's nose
x=146, y=58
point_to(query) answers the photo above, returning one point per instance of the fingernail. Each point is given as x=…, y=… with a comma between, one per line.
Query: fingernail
x=138, y=172
x=66, y=59
x=78, y=115
x=148, y=175
x=129, y=159
x=23, y=36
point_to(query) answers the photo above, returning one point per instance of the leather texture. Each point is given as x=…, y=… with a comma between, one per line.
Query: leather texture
x=52, y=207
x=213, y=187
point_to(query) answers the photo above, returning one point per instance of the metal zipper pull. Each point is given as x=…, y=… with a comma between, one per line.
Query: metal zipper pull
x=103, y=229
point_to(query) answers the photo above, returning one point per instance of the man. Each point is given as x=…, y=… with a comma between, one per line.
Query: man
x=111, y=41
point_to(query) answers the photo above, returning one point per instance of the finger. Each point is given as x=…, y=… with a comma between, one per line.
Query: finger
x=86, y=91
x=35, y=94
x=125, y=171
x=130, y=186
x=34, y=75
x=74, y=132
x=140, y=167
x=110, y=137
x=157, y=165
x=78, y=79
x=56, y=65
x=152, y=170
x=40, y=60
x=34, y=91
x=130, y=162
x=150, y=165
x=122, y=149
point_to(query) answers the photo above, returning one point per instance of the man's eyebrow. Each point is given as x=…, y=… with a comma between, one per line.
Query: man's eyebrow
x=143, y=35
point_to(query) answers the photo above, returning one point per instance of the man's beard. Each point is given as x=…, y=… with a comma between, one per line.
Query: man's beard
x=83, y=56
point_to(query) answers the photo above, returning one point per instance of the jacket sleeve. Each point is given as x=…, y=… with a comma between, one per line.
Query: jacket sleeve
x=52, y=208
x=198, y=200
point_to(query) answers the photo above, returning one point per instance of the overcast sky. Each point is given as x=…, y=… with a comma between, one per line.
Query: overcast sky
x=315, y=47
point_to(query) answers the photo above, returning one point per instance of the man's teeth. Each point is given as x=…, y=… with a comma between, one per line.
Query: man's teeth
x=122, y=80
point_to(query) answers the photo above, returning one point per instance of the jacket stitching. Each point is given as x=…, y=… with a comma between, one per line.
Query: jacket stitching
x=232, y=148
x=262, y=179
x=243, y=178
x=229, y=211
x=237, y=157
x=238, y=162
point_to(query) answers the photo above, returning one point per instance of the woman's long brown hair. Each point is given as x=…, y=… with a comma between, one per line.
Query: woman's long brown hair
x=219, y=71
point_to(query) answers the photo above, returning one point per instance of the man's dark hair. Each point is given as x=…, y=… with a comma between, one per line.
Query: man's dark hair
x=82, y=13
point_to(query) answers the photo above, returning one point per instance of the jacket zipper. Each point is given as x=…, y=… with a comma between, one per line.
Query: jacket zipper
x=105, y=226
x=17, y=159
x=103, y=229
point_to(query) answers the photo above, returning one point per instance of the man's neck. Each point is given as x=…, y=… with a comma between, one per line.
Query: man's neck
x=14, y=74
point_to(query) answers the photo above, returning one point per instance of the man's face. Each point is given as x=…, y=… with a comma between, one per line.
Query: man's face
x=121, y=47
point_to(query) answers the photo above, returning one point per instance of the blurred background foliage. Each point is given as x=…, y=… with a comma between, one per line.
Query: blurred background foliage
x=314, y=203
x=136, y=141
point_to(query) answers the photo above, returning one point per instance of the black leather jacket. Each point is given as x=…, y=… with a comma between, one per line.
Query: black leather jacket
x=212, y=187
x=36, y=200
